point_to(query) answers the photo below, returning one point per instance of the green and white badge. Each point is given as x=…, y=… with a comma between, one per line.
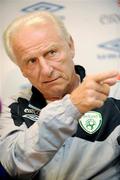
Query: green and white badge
x=91, y=121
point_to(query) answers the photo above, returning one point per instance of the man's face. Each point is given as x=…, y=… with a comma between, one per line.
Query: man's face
x=45, y=58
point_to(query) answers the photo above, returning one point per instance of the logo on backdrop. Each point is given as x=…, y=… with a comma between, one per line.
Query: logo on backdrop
x=42, y=6
x=113, y=45
x=111, y=50
x=107, y=19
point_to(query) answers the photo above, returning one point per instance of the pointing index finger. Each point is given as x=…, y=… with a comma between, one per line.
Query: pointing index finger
x=101, y=77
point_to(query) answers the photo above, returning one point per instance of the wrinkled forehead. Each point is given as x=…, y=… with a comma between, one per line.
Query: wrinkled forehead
x=35, y=27
x=41, y=31
x=31, y=38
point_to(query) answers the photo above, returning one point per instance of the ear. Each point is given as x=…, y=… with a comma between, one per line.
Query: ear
x=71, y=45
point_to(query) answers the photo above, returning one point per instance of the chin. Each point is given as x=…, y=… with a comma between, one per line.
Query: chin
x=55, y=94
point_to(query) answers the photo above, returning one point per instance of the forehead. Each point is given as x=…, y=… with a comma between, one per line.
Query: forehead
x=30, y=34
x=29, y=39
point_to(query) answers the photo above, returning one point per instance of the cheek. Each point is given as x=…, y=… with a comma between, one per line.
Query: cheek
x=67, y=72
x=68, y=66
x=30, y=74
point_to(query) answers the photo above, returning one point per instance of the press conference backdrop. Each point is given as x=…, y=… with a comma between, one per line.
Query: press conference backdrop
x=93, y=24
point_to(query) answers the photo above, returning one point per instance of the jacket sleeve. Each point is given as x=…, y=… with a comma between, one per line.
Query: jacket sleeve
x=25, y=150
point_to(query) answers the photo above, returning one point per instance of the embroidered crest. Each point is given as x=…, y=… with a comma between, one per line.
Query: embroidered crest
x=91, y=121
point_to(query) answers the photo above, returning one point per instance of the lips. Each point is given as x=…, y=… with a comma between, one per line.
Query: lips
x=50, y=81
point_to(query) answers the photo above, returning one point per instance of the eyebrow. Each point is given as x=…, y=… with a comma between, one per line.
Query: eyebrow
x=27, y=58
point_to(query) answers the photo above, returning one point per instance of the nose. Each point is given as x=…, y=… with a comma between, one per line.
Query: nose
x=46, y=68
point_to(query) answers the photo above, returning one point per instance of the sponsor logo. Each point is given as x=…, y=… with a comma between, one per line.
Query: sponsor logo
x=31, y=114
x=113, y=45
x=106, y=19
x=91, y=122
x=111, y=50
x=43, y=6
x=32, y=117
x=31, y=111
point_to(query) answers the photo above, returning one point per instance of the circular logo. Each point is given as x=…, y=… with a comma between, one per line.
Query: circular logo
x=91, y=121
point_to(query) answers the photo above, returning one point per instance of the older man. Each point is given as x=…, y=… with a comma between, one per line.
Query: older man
x=61, y=128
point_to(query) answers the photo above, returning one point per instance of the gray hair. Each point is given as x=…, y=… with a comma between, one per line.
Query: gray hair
x=30, y=19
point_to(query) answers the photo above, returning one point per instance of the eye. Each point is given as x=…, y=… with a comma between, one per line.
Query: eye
x=32, y=60
x=52, y=52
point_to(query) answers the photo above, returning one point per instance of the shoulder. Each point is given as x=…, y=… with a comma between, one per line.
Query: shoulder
x=25, y=94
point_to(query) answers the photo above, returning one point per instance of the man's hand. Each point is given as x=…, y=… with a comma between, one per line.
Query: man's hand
x=93, y=91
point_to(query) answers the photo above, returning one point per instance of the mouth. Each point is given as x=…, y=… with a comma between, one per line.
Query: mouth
x=50, y=81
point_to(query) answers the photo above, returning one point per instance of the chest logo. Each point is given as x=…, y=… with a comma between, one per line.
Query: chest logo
x=32, y=117
x=91, y=121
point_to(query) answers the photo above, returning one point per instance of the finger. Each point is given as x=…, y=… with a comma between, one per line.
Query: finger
x=99, y=104
x=110, y=81
x=95, y=104
x=101, y=97
x=118, y=77
x=104, y=89
x=98, y=87
x=101, y=77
